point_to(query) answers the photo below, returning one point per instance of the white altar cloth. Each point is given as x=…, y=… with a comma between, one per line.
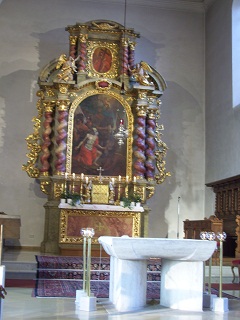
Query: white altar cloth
x=181, y=273
x=101, y=207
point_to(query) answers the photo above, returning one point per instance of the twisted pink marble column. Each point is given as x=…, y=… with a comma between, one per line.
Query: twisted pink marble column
x=139, y=147
x=131, y=57
x=46, y=142
x=150, y=148
x=125, y=59
x=82, y=53
x=60, y=163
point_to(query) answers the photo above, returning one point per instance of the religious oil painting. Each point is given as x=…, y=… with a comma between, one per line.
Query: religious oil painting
x=102, y=59
x=96, y=121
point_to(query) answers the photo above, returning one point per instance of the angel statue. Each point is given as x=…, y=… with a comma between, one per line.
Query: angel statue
x=140, y=73
x=67, y=67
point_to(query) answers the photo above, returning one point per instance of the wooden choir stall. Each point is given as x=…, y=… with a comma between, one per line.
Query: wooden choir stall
x=97, y=137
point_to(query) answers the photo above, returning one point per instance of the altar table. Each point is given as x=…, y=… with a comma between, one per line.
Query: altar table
x=181, y=273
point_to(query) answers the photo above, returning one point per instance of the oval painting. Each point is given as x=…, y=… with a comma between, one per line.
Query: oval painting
x=102, y=59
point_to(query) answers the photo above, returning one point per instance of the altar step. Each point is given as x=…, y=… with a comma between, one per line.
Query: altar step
x=23, y=265
x=20, y=270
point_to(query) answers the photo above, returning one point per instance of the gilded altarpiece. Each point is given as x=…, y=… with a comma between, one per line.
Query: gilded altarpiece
x=97, y=136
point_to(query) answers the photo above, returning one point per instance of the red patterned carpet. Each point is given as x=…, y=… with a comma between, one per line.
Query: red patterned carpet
x=62, y=276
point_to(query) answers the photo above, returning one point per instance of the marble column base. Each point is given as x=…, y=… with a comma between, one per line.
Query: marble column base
x=220, y=305
x=128, y=284
x=87, y=303
x=182, y=285
x=208, y=300
x=79, y=294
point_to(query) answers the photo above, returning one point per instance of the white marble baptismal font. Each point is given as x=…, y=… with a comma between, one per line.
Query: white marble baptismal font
x=181, y=273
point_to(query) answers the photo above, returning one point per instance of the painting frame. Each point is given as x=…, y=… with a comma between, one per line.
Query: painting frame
x=118, y=100
x=97, y=218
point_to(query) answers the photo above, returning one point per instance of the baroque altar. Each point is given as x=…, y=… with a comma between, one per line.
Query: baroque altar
x=97, y=133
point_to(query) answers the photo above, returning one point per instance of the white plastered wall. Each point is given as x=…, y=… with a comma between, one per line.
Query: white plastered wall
x=32, y=33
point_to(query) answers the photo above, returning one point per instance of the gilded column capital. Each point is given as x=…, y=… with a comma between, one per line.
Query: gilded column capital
x=48, y=105
x=83, y=38
x=132, y=45
x=141, y=110
x=73, y=40
x=152, y=110
x=62, y=105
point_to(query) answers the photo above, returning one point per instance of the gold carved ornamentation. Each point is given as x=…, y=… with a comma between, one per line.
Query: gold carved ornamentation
x=63, y=105
x=103, y=85
x=102, y=59
x=150, y=191
x=49, y=93
x=132, y=45
x=33, y=145
x=141, y=110
x=44, y=185
x=83, y=38
x=73, y=40
x=63, y=88
x=58, y=189
x=105, y=25
x=48, y=106
x=142, y=95
x=160, y=153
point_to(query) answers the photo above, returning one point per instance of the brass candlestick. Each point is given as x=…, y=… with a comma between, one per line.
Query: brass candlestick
x=221, y=237
x=87, y=234
x=211, y=237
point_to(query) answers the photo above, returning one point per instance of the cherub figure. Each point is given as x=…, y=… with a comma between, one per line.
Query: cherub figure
x=67, y=67
x=140, y=73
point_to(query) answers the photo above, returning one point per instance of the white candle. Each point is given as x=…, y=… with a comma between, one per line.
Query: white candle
x=134, y=179
x=66, y=175
x=119, y=178
x=127, y=178
x=86, y=179
x=73, y=176
x=82, y=176
x=113, y=180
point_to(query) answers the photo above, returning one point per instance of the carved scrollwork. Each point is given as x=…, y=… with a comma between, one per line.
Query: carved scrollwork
x=33, y=145
x=160, y=153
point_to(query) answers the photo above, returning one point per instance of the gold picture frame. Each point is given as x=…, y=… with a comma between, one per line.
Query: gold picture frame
x=109, y=223
x=115, y=161
x=102, y=59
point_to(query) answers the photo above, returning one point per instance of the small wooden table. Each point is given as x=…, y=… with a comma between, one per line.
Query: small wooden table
x=11, y=226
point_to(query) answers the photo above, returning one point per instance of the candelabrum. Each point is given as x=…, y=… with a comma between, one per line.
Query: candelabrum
x=211, y=237
x=88, y=187
x=221, y=237
x=87, y=234
x=122, y=133
x=111, y=192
